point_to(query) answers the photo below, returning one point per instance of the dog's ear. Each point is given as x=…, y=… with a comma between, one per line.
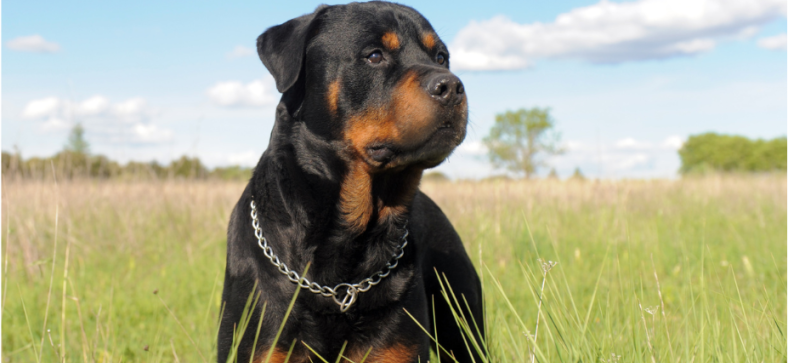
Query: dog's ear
x=282, y=48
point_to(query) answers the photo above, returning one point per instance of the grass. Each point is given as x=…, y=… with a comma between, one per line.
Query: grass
x=642, y=271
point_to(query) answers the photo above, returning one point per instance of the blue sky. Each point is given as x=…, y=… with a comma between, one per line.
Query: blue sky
x=627, y=82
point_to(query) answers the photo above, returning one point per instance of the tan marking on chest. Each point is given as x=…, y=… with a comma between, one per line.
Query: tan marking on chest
x=396, y=353
x=279, y=355
x=355, y=196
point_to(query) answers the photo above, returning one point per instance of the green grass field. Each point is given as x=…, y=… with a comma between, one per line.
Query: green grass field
x=647, y=271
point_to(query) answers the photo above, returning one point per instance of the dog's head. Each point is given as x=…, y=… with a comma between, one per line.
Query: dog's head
x=373, y=78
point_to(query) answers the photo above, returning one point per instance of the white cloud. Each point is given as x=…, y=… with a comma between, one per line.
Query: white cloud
x=748, y=32
x=150, y=134
x=673, y=142
x=627, y=144
x=130, y=107
x=246, y=158
x=55, y=124
x=240, y=51
x=123, y=122
x=133, y=111
x=32, y=43
x=626, y=157
x=610, y=32
x=261, y=92
x=95, y=105
x=631, y=144
x=777, y=42
x=474, y=147
x=573, y=145
x=41, y=108
x=632, y=161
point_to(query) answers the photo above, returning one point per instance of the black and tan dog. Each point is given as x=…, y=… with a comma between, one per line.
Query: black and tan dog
x=368, y=103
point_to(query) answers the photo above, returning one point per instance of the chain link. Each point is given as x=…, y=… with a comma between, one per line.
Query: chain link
x=351, y=290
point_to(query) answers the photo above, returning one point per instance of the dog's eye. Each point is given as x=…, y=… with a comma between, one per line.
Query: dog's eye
x=375, y=57
x=441, y=59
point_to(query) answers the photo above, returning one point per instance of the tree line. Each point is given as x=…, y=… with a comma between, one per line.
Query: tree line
x=76, y=161
x=520, y=142
x=70, y=165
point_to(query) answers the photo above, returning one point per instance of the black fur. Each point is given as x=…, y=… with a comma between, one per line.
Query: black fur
x=298, y=186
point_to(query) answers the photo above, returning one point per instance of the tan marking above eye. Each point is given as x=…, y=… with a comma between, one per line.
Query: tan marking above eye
x=333, y=97
x=390, y=41
x=428, y=39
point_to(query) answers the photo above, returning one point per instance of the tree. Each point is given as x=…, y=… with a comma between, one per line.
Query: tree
x=187, y=167
x=520, y=139
x=553, y=174
x=578, y=175
x=76, y=141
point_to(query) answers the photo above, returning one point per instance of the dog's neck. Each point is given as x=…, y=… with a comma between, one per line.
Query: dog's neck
x=334, y=207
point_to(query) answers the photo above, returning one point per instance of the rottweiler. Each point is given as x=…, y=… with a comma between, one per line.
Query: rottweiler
x=368, y=103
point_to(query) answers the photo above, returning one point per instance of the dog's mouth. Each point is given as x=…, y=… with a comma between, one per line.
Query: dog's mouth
x=381, y=153
x=433, y=149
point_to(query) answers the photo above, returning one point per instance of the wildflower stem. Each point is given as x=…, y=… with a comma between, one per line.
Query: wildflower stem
x=546, y=267
x=662, y=305
x=538, y=313
x=648, y=338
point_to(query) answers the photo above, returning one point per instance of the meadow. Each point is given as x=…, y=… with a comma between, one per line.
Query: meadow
x=689, y=270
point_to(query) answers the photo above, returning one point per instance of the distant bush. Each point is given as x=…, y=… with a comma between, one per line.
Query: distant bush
x=231, y=173
x=711, y=152
x=497, y=178
x=435, y=176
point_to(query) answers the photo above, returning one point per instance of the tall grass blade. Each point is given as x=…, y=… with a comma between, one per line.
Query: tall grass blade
x=239, y=328
x=63, y=305
x=51, y=282
x=196, y=347
x=593, y=295
x=539, y=352
x=314, y=351
x=448, y=354
x=257, y=333
x=341, y=352
x=27, y=320
x=287, y=314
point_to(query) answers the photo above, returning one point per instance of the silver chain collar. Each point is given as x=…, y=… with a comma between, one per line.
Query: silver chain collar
x=351, y=290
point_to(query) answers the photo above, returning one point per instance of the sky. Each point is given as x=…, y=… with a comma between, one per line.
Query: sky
x=627, y=82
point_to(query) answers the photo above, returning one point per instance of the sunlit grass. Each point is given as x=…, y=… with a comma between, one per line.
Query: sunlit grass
x=688, y=270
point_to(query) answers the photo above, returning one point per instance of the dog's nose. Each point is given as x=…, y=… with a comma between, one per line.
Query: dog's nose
x=446, y=88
